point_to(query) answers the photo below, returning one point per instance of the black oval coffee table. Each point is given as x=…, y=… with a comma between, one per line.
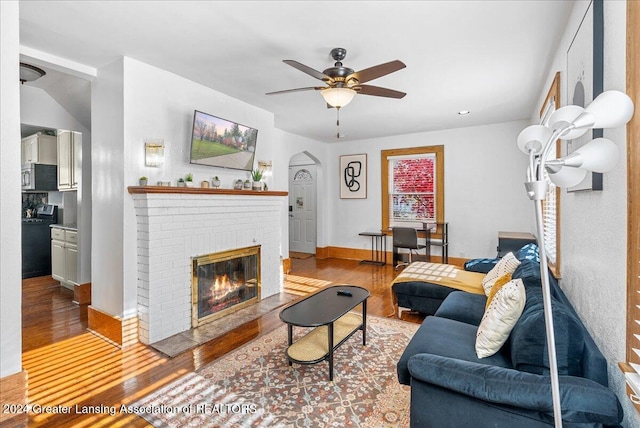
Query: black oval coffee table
x=329, y=311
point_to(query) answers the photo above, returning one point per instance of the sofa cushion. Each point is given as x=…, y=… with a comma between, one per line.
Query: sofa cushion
x=584, y=402
x=503, y=311
x=528, y=340
x=529, y=272
x=507, y=264
x=447, y=338
x=464, y=307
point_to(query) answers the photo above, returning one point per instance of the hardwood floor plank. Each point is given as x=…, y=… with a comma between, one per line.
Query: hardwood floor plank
x=69, y=366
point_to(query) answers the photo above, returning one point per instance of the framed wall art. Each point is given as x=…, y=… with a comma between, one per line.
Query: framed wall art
x=585, y=67
x=353, y=176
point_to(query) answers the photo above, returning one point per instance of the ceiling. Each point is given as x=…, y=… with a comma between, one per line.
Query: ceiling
x=488, y=57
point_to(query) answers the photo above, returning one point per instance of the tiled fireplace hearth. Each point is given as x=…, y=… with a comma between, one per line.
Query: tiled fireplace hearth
x=176, y=227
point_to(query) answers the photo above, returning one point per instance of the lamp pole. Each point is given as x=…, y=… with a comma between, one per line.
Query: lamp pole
x=537, y=191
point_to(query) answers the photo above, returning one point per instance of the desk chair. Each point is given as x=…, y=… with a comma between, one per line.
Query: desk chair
x=406, y=237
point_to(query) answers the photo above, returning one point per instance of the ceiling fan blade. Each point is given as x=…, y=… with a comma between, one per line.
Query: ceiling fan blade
x=310, y=88
x=378, y=91
x=308, y=70
x=377, y=71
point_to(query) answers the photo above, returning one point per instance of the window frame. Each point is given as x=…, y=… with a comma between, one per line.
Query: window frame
x=438, y=151
x=633, y=199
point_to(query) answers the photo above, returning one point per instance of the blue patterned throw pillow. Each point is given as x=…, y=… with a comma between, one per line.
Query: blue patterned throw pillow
x=480, y=265
x=529, y=252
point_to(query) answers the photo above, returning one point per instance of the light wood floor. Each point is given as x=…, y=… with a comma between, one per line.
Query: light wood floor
x=68, y=366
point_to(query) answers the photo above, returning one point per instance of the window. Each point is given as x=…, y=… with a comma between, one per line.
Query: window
x=412, y=186
x=551, y=203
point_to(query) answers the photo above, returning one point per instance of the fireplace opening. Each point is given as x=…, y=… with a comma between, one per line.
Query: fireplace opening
x=224, y=282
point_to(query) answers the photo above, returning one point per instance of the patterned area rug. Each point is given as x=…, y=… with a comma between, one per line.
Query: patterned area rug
x=254, y=386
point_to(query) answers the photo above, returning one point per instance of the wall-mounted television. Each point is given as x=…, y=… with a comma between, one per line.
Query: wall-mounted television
x=222, y=143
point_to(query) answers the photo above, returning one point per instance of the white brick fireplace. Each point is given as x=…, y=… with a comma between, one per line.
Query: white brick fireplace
x=174, y=225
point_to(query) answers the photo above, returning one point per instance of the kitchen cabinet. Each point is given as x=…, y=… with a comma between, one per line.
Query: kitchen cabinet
x=69, y=147
x=64, y=256
x=39, y=148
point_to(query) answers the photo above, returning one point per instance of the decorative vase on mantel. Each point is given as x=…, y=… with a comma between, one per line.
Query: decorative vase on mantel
x=215, y=182
x=247, y=185
x=257, y=185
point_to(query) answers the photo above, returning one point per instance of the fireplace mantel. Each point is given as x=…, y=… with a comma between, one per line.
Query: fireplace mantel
x=202, y=191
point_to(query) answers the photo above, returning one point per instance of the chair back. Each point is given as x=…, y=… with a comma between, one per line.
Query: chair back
x=405, y=237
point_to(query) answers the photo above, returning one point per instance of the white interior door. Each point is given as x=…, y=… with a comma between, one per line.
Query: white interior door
x=302, y=209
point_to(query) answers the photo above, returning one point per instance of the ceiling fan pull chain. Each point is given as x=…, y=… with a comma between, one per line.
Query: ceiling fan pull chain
x=338, y=122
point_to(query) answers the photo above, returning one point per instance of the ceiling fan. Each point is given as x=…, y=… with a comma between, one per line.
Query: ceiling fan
x=343, y=83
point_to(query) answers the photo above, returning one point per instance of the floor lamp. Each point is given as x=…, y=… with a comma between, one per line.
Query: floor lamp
x=610, y=109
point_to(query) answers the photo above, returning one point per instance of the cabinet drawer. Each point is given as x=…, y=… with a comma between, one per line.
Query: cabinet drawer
x=57, y=234
x=71, y=236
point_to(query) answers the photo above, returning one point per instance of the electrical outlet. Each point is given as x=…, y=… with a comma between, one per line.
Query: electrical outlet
x=461, y=254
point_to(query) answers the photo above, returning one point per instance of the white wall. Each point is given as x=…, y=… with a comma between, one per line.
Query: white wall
x=593, y=224
x=108, y=189
x=484, y=190
x=10, y=230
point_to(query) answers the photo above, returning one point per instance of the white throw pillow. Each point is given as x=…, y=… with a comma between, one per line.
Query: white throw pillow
x=502, y=314
x=507, y=264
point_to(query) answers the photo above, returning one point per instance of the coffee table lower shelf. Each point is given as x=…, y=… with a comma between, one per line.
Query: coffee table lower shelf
x=314, y=347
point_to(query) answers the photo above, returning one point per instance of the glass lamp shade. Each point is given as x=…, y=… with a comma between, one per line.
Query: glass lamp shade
x=29, y=73
x=599, y=155
x=567, y=176
x=566, y=116
x=338, y=97
x=611, y=109
x=533, y=138
x=154, y=154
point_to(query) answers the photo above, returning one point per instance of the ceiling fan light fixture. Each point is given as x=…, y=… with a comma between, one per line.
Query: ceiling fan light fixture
x=29, y=73
x=338, y=97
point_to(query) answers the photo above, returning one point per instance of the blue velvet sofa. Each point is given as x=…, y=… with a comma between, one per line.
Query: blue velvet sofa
x=452, y=387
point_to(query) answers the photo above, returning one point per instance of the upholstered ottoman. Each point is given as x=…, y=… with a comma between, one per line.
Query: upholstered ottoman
x=423, y=286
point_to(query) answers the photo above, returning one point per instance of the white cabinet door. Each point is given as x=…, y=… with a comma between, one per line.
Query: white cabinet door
x=71, y=267
x=64, y=160
x=30, y=149
x=69, y=149
x=76, y=149
x=58, y=263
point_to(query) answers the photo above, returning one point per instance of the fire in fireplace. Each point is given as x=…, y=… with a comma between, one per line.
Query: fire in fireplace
x=224, y=282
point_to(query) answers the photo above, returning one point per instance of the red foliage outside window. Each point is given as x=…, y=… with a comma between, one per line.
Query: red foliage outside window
x=413, y=197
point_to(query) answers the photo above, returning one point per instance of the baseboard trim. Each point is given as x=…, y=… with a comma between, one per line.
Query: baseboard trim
x=82, y=294
x=14, y=390
x=286, y=265
x=322, y=252
x=120, y=332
